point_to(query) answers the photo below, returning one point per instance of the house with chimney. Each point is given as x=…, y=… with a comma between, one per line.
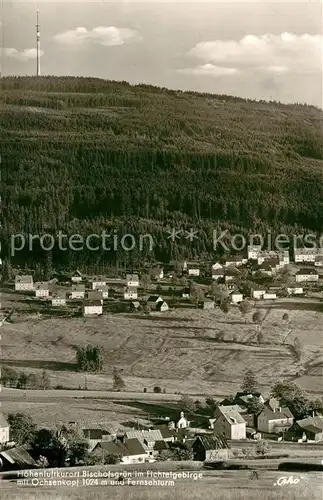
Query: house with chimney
x=309, y=429
x=130, y=293
x=78, y=291
x=41, y=289
x=98, y=282
x=229, y=423
x=92, y=308
x=58, y=299
x=130, y=451
x=132, y=280
x=274, y=419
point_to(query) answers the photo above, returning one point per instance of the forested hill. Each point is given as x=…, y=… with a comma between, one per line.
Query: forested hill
x=84, y=154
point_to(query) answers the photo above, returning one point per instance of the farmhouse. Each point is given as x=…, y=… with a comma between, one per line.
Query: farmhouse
x=253, y=251
x=95, y=295
x=210, y=448
x=274, y=420
x=308, y=275
x=162, y=306
x=130, y=293
x=59, y=299
x=216, y=266
x=229, y=423
x=93, y=436
x=105, y=291
x=147, y=438
x=92, y=308
x=166, y=432
x=4, y=429
x=193, y=271
x=16, y=458
x=130, y=452
x=24, y=283
x=186, y=293
x=307, y=429
x=41, y=289
x=318, y=260
x=269, y=295
x=235, y=261
x=132, y=280
x=230, y=274
x=98, y=282
x=153, y=300
x=78, y=291
x=158, y=274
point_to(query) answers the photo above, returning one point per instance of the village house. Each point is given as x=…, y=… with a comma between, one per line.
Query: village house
x=95, y=295
x=147, y=438
x=76, y=277
x=93, y=436
x=230, y=274
x=98, y=282
x=41, y=289
x=217, y=273
x=132, y=280
x=166, y=431
x=274, y=420
x=308, y=275
x=295, y=290
x=92, y=308
x=216, y=266
x=193, y=271
x=277, y=259
x=162, y=306
x=4, y=429
x=59, y=299
x=158, y=273
x=130, y=293
x=258, y=293
x=229, y=423
x=269, y=267
x=210, y=448
x=130, y=451
x=269, y=295
x=302, y=255
x=186, y=293
x=236, y=297
x=306, y=430
x=235, y=261
x=24, y=283
x=78, y=291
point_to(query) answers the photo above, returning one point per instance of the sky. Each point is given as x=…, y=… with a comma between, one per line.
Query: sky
x=260, y=49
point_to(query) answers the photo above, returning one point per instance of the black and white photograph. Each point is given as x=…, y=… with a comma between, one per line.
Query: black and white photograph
x=161, y=250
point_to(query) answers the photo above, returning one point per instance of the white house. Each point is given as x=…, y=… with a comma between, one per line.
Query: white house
x=41, y=289
x=306, y=275
x=182, y=423
x=229, y=275
x=132, y=280
x=295, y=290
x=98, y=282
x=78, y=291
x=269, y=295
x=216, y=266
x=274, y=420
x=318, y=261
x=186, y=293
x=24, y=283
x=130, y=293
x=258, y=293
x=235, y=261
x=153, y=300
x=131, y=451
x=59, y=299
x=193, y=271
x=236, y=297
x=306, y=254
x=4, y=429
x=229, y=423
x=92, y=308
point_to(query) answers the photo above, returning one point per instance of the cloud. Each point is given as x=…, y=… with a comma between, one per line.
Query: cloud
x=276, y=54
x=24, y=55
x=209, y=70
x=108, y=36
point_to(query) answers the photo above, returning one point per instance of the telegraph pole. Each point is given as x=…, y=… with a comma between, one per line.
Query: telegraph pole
x=38, y=44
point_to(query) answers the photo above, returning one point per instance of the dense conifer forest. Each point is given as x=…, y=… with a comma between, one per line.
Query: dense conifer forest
x=82, y=155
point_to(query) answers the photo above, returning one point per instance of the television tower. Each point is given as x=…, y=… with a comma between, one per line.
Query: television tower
x=38, y=44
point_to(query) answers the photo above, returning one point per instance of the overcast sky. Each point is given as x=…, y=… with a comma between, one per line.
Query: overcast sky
x=258, y=49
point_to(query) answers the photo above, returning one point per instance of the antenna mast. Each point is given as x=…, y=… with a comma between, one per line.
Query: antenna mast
x=38, y=44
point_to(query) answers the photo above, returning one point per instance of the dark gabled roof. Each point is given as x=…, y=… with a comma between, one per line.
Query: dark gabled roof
x=311, y=423
x=213, y=442
x=18, y=457
x=305, y=272
x=90, y=302
x=164, y=430
x=160, y=303
x=134, y=447
x=161, y=445
x=277, y=415
x=94, y=433
x=155, y=298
